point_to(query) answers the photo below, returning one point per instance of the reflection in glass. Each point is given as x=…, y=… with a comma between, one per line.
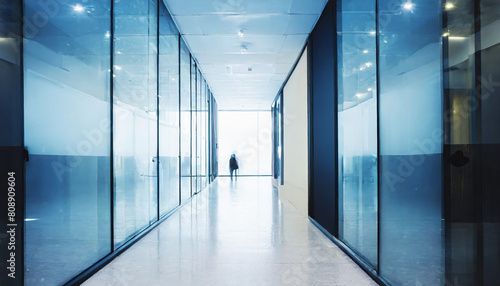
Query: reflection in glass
x=67, y=120
x=135, y=117
x=277, y=137
x=459, y=182
x=357, y=127
x=185, y=122
x=411, y=142
x=194, y=127
x=490, y=139
x=169, y=113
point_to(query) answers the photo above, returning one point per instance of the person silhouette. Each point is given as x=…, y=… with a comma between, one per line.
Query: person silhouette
x=233, y=166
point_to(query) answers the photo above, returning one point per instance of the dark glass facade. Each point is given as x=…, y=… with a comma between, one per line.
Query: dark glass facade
x=414, y=90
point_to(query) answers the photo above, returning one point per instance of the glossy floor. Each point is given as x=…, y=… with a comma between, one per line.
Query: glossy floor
x=234, y=233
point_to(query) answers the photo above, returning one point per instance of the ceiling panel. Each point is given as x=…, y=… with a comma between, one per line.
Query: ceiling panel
x=194, y=7
x=245, y=48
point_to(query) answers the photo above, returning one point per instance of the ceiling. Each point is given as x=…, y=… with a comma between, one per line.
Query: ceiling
x=245, y=48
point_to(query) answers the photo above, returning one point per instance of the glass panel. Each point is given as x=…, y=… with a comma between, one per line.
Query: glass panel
x=459, y=74
x=185, y=123
x=357, y=127
x=10, y=75
x=203, y=134
x=490, y=139
x=199, y=127
x=411, y=129
x=67, y=120
x=279, y=144
x=265, y=143
x=169, y=113
x=194, y=125
x=135, y=117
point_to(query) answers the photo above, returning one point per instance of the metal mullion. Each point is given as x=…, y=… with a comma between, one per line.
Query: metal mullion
x=111, y=115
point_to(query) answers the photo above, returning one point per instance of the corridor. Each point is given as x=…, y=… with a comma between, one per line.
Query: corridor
x=234, y=233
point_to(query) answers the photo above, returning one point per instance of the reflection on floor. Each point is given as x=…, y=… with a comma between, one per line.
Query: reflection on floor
x=234, y=233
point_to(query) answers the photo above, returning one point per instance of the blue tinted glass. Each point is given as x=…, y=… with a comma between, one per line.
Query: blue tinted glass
x=194, y=123
x=67, y=120
x=135, y=117
x=411, y=129
x=185, y=122
x=169, y=113
x=357, y=127
x=490, y=152
x=10, y=73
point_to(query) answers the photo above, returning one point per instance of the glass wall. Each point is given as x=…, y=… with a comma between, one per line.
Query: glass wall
x=357, y=127
x=185, y=122
x=194, y=127
x=247, y=135
x=389, y=92
x=471, y=149
x=135, y=117
x=169, y=114
x=200, y=91
x=489, y=81
x=67, y=132
x=103, y=94
x=411, y=142
x=277, y=139
x=202, y=112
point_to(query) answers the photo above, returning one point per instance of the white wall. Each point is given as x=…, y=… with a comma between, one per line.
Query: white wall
x=295, y=188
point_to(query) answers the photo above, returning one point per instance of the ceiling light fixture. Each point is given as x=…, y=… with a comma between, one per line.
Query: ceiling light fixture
x=457, y=38
x=107, y=35
x=366, y=52
x=408, y=6
x=244, y=49
x=240, y=34
x=78, y=8
x=449, y=6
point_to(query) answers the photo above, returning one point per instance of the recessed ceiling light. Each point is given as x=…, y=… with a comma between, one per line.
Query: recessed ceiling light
x=372, y=32
x=408, y=6
x=449, y=6
x=107, y=35
x=366, y=52
x=78, y=8
x=240, y=34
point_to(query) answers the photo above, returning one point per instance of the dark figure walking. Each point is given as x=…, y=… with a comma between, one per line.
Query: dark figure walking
x=233, y=166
